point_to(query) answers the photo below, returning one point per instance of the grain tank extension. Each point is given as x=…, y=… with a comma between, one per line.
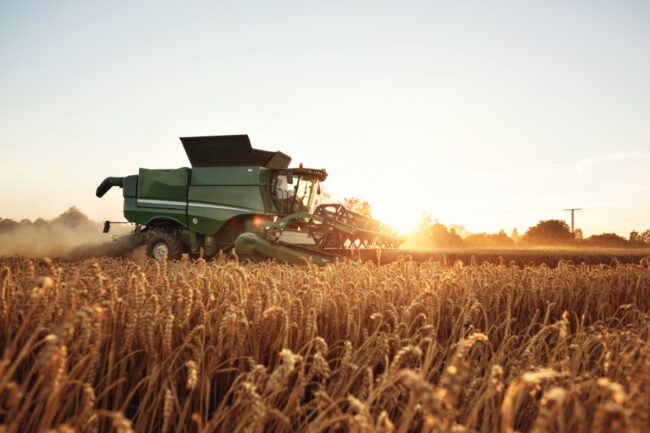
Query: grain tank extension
x=236, y=197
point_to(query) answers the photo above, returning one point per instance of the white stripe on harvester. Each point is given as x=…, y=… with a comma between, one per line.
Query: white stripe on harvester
x=216, y=206
x=194, y=204
x=162, y=202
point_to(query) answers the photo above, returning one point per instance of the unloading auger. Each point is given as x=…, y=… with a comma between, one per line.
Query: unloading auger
x=235, y=197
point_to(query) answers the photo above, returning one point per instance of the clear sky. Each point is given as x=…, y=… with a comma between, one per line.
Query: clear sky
x=488, y=114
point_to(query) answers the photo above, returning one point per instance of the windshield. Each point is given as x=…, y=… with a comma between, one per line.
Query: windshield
x=293, y=193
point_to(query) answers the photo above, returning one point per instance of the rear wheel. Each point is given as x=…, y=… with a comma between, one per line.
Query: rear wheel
x=164, y=244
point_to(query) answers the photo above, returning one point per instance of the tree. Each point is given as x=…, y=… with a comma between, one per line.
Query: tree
x=443, y=238
x=7, y=225
x=72, y=217
x=607, y=240
x=645, y=236
x=515, y=236
x=637, y=240
x=357, y=205
x=578, y=234
x=483, y=240
x=432, y=234
x=459, y=230
x=501, y=240
x=549, y=232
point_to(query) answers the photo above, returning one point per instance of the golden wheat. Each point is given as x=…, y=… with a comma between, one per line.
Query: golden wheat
x=116, y=345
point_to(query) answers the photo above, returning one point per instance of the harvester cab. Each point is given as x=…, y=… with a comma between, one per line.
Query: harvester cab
x=294, y=190
x=236, y=197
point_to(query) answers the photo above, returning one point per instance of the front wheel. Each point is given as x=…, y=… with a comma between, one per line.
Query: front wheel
x=164, y=244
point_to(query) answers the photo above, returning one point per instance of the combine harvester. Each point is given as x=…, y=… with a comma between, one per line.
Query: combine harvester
x=246, y=199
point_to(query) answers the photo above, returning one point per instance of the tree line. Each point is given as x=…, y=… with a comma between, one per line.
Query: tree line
x=547, y=233
x=72, y=218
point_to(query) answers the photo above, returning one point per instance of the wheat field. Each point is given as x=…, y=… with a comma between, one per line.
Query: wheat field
x=116, y=345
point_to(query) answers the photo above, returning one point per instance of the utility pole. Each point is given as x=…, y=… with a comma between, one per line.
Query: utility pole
x=573, y=218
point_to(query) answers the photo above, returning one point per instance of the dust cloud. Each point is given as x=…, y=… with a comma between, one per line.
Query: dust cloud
x=71, y=234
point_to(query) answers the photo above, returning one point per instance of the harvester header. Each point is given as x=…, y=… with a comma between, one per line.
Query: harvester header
x=237, y=197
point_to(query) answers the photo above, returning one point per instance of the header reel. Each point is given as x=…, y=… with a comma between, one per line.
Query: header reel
x=366, y=233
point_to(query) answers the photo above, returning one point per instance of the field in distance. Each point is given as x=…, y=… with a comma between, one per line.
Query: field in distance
x=137, y=345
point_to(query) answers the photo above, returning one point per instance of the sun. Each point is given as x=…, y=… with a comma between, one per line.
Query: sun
x=398, y=218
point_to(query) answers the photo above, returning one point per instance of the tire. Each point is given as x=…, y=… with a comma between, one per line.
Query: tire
x=164, y=242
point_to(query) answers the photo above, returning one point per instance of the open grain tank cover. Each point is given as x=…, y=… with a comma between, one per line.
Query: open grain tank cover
x=217, y=150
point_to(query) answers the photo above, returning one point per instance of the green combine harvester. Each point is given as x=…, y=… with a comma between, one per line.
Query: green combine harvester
x=235, y=197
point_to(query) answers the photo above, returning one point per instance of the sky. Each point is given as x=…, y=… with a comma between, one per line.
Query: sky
x=487, y=114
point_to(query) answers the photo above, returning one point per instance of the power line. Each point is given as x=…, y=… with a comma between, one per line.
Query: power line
x=573, y=218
